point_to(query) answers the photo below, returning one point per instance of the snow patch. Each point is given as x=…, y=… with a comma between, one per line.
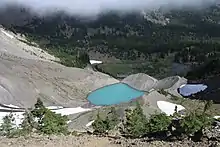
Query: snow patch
x=69, y=111
x=90, y=123
x=95, y=62
x=19, y=115
x=12, y=106
x=7, y=34
x=169, y=108
x=69, y=121
x=182, y=85
x=216, y=117
x=54, y=107
x=151, y=90
x=7, y=109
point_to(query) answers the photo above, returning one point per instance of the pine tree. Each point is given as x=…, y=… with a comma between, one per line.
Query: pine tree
x=99, y=125
x=159, y=123
x=53, y=123
x=6, y=127
x=136, y=122
x=112, y=119
x=28, y=124
x=39, y=111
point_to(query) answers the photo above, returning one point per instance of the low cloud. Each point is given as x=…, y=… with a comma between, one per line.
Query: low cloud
x=94, y=7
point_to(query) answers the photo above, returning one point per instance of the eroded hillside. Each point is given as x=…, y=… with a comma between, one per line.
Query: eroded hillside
x=27, y=73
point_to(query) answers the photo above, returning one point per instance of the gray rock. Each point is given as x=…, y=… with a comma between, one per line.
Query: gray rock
x=140, y=81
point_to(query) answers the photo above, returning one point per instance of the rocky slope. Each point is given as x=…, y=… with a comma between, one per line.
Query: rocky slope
x=140, y=81
x=147, y=83
x=25, y=76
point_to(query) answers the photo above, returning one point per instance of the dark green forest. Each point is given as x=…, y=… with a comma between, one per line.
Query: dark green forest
x=187, y=37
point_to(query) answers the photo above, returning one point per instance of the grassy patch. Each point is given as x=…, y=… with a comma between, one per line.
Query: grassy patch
x=158, y=67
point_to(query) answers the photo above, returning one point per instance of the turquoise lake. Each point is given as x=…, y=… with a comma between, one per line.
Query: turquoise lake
x=114, y=94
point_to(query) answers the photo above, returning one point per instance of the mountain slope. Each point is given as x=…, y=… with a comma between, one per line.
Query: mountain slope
x=186, y=36
x=25, y=77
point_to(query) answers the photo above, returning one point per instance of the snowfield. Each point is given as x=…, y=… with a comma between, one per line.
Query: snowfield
x=169, y=108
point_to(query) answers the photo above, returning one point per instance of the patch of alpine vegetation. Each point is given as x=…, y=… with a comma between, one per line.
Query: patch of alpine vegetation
x=132, y=125
x=193, y=125
x=39, y=120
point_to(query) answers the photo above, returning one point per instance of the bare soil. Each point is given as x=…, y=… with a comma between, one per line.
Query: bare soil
x=94, y=141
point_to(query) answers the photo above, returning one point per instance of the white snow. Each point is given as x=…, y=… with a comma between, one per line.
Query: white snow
x=12, y=106
x=216, y=117
x=90, y=123
x=7, y=34
x=169, y=108
x=95, y=62
x=182, y=85
x=69, y=111
x=19, y=115
x=54, y=107
x=151, y=90
x=69, y=121
x=4, y=108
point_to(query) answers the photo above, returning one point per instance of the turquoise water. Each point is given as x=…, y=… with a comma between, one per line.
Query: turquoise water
x=114, y=94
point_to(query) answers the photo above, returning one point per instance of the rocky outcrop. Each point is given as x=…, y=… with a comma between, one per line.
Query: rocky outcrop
x=171, y=84
x=152, y=98
x=147, y=83
x=140, y=81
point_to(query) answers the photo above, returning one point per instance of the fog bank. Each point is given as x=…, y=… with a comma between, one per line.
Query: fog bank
x=94, y=7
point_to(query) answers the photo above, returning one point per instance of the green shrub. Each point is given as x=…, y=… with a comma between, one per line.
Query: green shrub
x=112, y=119
x=159, y=123
x=39, y=110
x=195, y=122
x=135, y=124
x=208, y=105
x=6, y=127
x=48, y=122
x=100, y=125
x=53, y=123
x=103, y=125
x=28, y=124
x=40, y=118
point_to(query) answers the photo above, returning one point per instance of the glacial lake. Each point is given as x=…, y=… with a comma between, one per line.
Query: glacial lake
x=113, y=94
x=190, y=89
